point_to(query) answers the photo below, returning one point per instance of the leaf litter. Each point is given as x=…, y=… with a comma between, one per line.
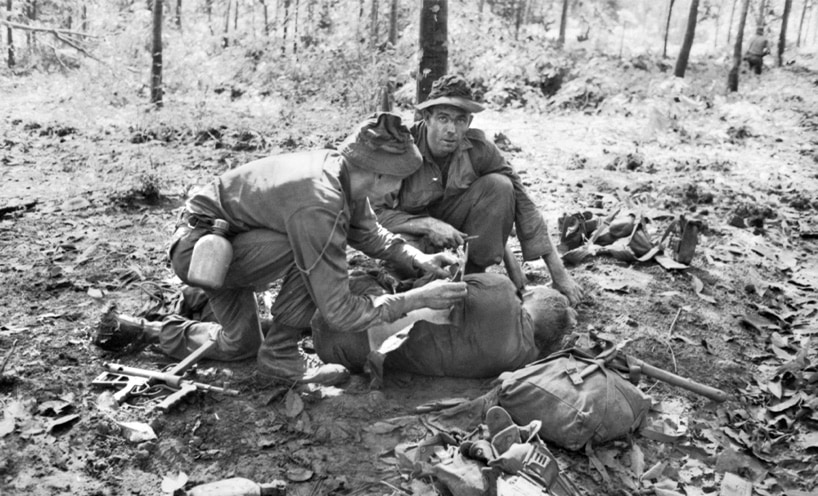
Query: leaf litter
x=749, y=292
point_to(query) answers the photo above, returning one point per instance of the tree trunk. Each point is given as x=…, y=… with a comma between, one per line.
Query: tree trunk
x=761, y=8
x=295, y=27
x=156, y=55
x=236, y=16
x=563, y=22
x=226, y=37
x=31, y=13
x=782, y=36
x=358, y=29
x=518, y=21
x=177, y=17
x=732, y=77
x=718, y=18
x=284, y=22
x=393, y=23
x=10, y=36
x=373, y=25
x=730, y=24
x=801, y=23
x=266, y=17
x=690, y=34
x=434, y=51
x=667, y=26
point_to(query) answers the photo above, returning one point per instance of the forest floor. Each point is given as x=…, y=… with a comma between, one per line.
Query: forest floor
x=98, y=181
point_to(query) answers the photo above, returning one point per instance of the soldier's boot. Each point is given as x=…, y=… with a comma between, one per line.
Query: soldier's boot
x=280, y=359
x=125, y=333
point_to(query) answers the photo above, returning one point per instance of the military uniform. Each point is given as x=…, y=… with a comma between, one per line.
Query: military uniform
x=290, y=217
x=476, y=192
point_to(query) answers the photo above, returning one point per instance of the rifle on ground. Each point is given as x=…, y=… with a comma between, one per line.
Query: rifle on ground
x=133, y=381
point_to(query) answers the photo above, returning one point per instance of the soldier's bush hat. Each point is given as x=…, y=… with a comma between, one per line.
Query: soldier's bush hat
x=452, y=90
x=382, y=144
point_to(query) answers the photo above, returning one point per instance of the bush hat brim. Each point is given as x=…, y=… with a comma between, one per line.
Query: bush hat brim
x=469, y=106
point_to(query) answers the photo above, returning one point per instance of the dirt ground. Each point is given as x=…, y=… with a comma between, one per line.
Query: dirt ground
x=107, y=181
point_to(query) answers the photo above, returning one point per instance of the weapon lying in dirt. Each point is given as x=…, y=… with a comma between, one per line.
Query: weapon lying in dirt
x=133, y=381
x=181, y=386
x=634, y=367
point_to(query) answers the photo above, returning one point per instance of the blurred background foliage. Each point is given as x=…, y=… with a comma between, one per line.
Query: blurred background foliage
x=343, y=52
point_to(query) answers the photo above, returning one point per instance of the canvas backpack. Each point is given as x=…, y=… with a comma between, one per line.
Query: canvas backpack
x=573, y=410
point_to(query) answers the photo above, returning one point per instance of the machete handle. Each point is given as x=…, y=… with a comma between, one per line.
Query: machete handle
x=682, y=382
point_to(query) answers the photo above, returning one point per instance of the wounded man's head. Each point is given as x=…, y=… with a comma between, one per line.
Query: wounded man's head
x=551, y=315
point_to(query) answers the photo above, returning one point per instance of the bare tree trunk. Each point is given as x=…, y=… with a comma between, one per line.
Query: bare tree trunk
x=275, y=18
x=177, y=16
x=518, y=21
x=782, y=36
x=10, y=36
x=358, y=28
x=31, y=13
x=373, y=25
x=563, y=22
x=226, y=37
x=284, y=22
x=718, y=18
x=309, y=24
x=295, y=27
x=761, y=14
x=730, y=24
x=690, y=34
x=266, y=17
x=434, y=51
x=393, y=23
x=156, y=55
x=236, y=16
x=801, y=23
x=667, y=26
x=732, y=77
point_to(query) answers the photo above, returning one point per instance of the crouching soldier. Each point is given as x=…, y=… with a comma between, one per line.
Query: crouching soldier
x=291, y=218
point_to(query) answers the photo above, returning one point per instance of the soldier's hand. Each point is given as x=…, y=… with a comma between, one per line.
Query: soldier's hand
x=566, y=285
x=443, y=235
x=435, y=263
x=440, y=294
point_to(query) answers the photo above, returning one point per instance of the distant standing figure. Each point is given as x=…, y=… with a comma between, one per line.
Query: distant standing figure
x=759, y=47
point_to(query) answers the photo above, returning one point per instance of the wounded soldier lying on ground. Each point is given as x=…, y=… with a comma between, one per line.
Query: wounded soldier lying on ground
x=493, y=331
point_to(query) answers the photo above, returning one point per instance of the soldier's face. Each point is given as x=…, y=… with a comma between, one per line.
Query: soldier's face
x=446, y=126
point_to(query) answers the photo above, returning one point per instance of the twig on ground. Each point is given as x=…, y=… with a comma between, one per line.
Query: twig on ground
x=8, y=356
x=670, y=337
x=673, y=324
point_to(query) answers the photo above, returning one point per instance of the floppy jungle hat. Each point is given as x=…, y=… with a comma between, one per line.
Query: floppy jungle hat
x=382, y=144
x=452, y=90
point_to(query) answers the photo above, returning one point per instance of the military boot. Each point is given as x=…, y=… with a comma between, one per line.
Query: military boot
x=125, y=333
x=280, y=358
